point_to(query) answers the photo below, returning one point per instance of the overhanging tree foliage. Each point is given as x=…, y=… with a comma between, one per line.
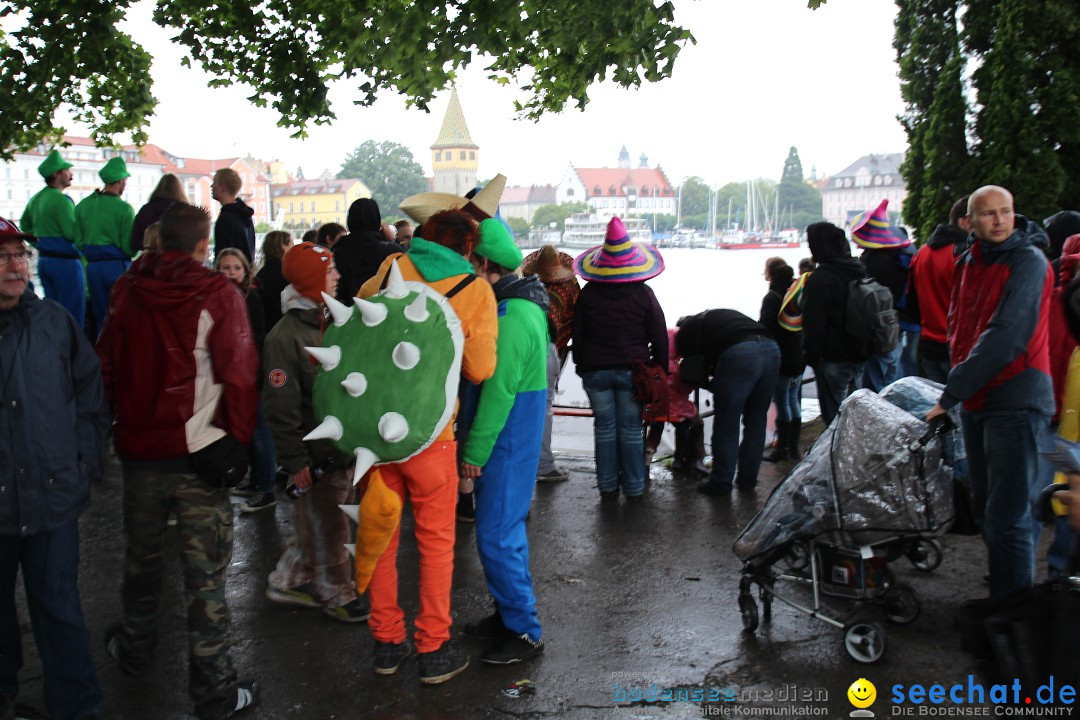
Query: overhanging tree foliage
x=1021, y=132
x=70, y=54
x=389, y=171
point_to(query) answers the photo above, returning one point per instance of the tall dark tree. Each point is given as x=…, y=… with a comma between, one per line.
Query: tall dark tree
x=1025, y=90
x=793, y=172
x=926, y=41
x=800, y=204
x=946, y=164
x=389, y=171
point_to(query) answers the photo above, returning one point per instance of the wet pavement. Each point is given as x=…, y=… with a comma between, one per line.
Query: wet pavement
x=634, y=598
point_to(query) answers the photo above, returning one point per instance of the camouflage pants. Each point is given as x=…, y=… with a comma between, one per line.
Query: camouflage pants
x=204, y=520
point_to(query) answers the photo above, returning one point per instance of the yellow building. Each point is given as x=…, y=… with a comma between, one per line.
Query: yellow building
x=304, y=204
x=454, y=156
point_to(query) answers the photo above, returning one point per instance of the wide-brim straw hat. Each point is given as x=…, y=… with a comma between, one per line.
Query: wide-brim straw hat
x=483, y=205
x=619, y=259
x=550, y=264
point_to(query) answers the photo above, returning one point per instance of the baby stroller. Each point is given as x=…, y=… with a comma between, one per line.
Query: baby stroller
x=874, y=487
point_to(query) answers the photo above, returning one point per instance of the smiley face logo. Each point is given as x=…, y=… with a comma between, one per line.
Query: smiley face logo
x=862, y=693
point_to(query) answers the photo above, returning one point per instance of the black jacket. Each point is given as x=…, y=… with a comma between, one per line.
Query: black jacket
x=825, y=300
x=616, y=325
x=271, y=282
x=359, y=254
x=792, y=362
x=235, y=229
x=712, y=332
x=890, y=267
x=148, y=214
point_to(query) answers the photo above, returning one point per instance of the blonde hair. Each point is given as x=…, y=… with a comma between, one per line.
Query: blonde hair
x=152, y=238
x=229, y=179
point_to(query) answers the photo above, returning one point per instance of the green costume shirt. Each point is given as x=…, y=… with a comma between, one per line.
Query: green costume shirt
x=105, y=219
x=50, y=213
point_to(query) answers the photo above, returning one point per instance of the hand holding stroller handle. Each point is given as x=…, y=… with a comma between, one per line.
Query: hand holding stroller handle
x=939, y=425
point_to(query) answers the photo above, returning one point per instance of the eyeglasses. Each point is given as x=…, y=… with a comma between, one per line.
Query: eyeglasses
x=19, y=256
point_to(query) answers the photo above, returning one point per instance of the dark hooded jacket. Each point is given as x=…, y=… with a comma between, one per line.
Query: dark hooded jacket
x=999, y=325
x=148, y=214
x=235, y=229
x=53, y=417
x=825, y=338
x=890, y=267
x=359, y=254
x=1060, y=227
x=271, y=282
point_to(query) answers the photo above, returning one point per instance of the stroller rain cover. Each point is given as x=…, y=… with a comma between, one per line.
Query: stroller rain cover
x=858, y=479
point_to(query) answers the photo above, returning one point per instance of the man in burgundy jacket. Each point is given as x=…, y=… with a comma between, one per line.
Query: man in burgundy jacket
x=179, y=368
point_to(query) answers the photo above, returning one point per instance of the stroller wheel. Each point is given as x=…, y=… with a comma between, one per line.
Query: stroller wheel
x=925, y=555
x=901, y=605
x=798, y=556
x=864, y=642
x=748, y=610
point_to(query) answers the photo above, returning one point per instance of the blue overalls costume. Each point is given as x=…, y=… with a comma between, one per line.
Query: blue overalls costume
x=104, y=229
x=50, y=215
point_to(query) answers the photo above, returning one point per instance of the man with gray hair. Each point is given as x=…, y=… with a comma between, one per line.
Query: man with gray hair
x=998, y=331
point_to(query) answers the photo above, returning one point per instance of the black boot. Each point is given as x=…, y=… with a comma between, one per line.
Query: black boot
x=794, y=430
x=780, y=452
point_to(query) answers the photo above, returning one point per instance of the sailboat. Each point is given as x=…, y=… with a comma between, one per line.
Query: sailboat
x=758, y=237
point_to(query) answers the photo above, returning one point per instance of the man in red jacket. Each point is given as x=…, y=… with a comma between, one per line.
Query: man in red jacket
x=179, y=368
x=998, y=330
x=929, y=287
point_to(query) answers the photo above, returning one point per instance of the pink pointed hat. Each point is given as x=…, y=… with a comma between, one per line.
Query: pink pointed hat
x=619, y=259
x=873, y=230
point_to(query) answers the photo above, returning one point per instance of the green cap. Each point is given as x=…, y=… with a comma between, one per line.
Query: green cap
x=497, y=245
x=114, y=171
x=52, y=163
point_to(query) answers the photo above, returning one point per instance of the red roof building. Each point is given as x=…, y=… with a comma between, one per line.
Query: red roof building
x=620, y=191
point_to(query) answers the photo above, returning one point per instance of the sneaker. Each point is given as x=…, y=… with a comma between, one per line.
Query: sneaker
x=555, y=474
x=257, y=502
x=513, y=649
x=442, y=664
x=300, y=596
x=609, y=494
x=246, y=488
x=247, y=693
x=128, y=666
x=389, y=656
x=488, y=628
x=466, y=510
x=352, y=612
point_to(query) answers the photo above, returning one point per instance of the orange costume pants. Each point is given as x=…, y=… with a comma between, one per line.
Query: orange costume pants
x=431, y=480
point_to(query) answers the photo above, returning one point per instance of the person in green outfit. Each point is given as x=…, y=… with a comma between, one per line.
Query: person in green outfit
x=50, y=215
x=104, y=235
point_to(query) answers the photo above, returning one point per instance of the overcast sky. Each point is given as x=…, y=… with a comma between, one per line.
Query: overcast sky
x=764, y=75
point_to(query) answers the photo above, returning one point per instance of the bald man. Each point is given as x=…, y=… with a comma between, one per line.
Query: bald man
x=998, y=329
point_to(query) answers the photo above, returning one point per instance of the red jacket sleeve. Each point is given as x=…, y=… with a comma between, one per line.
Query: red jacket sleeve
x=236, y=366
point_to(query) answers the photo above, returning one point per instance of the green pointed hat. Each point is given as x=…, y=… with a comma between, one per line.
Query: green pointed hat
x=52, y=163
x=114, y=171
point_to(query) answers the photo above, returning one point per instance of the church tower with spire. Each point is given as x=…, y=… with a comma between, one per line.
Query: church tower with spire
x=454, y=155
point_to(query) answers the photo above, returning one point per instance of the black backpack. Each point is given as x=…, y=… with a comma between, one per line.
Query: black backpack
x=870, y=316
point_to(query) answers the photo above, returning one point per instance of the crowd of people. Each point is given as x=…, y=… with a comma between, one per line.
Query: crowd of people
x=206, y=368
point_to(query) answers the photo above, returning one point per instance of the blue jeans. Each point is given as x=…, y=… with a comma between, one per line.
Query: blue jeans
x=50, y=567
x=883, y=369
x=262, y=456
x=787, y=398
x=620, y=448
x=909, y=355
x=1002, y=454
x=742, y=388
x=835, y=381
